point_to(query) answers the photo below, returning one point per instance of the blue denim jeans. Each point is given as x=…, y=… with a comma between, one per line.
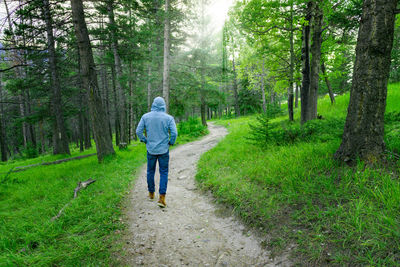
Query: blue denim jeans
x=163, y=161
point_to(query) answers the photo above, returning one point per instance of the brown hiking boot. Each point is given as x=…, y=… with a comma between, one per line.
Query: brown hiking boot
x=161, y=201
x=151, y=195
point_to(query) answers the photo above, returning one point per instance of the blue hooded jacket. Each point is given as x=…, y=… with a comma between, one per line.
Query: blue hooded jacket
x=160, y=128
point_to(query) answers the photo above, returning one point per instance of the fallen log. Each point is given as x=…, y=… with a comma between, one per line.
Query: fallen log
x=23, y=168
x=80, y=186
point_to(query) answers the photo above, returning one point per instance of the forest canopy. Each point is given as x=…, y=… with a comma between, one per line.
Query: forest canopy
x=62, y=86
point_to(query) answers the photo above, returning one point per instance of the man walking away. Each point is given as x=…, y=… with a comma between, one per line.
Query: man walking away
x=160, y=134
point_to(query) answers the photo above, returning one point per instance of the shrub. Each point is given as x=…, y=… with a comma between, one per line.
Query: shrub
x=274, y=110
x=192, y=128
x=263, y=132
x=30, y=151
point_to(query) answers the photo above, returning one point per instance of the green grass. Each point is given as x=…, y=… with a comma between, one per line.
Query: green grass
x=88, y=231
x=83, y=235
x=299, y=195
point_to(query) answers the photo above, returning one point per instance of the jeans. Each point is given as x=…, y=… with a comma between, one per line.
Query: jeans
x=163, y=161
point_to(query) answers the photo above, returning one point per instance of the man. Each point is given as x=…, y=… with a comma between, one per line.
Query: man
x=160, y=134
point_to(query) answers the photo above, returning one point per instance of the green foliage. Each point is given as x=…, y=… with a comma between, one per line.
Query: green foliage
x=191, y=129
x=265, y=133
x=392, y=131
x=297, y=193
x=30, y=151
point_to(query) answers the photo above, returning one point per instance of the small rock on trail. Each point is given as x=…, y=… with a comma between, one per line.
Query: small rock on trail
x=188, y=232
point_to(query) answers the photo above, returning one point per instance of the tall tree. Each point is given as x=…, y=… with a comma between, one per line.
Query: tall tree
x=3, y=142
x=364, y=128
x=167, y=47
x=121, y=97
x=97, y=113
x=306, y=69
x=291, y=64
x=235, y=88
x=315, y=59
x=60, y=138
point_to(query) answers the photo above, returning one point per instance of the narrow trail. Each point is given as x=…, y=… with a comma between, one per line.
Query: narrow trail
x=191, y=231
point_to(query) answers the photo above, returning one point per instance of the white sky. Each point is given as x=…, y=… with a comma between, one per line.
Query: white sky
x=218, y=11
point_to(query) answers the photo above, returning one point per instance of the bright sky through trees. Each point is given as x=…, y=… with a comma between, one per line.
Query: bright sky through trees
x=217, y=10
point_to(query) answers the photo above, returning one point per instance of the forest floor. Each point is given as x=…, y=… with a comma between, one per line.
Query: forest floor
x=192, y=230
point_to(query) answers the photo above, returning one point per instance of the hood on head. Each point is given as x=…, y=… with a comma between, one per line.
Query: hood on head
x=158, y=104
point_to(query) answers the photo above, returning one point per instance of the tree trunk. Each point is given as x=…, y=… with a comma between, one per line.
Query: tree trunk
x=305, y=57
x=364, y=128
x=107, y=98
x=296, y=101
x=123, y=136
x=203, y=110
x=3, y=140
x=264, y=102
x=235, y=89
x=291, y=67
x=42, y=139
x=3, y=147
x=315, y=59
x=60, y=138
x=87, y=128
x=130, y=104
x=149, y=88
x=117, y=124
x=328, y=84
x=81, y=114
x=166, y=55
x=21, y=99
x=98, y=115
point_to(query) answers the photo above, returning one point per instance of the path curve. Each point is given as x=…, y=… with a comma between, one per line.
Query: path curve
x=190, y=231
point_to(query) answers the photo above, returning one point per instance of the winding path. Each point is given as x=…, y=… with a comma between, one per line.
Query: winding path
x=192, y=230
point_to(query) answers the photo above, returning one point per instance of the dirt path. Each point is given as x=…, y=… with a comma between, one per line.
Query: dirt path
x=190, y=231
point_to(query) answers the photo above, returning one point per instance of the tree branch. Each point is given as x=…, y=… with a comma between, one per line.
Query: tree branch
x=12, y=67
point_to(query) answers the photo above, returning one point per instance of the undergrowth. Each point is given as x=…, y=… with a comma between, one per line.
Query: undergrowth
x=285, y=181
x=190, y=129
x=87, y=231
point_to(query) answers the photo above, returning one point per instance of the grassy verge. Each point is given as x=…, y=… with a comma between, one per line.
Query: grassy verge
x=299, y=195
x=85, y=234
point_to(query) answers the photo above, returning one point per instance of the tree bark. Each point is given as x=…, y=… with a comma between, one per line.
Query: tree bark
x=328, y=84
x=149, y=88
x=166, y=55
x=117, y=124
x=296, y=99
x=3, y=142
x=203, y=110
x=305, y=57
x=291, y=67
x=235, y=89
x=60, y=138
x=264, y=102
x=121, y=103
x=364, y=128
x=315, y=59
x=97, y=113
x=87, y=128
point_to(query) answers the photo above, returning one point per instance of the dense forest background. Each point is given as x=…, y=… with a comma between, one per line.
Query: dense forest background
x=307, y=90
x=59, y=90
